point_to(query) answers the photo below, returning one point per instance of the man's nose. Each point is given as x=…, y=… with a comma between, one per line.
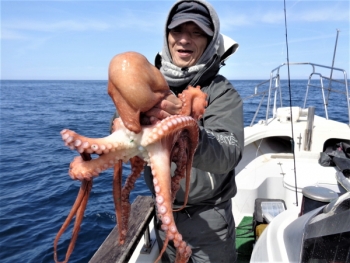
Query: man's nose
x=185, y=37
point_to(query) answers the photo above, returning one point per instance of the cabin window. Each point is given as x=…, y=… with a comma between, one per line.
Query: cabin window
x=332, y=142
x=281, y=144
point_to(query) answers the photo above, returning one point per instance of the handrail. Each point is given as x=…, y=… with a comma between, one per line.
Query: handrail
x=275, y=89
x=142, y=213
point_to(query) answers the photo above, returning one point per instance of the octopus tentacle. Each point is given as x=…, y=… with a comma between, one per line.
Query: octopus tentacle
x=80, y=169
x=175, y=137
x=117, y=194
x=77, y=210
x=137, y=167
x=183, y=157
x=191, y=140
x=178, y=175
x=170, y=126
x=167, y=127
x=160, y=165
x=193, y=102
x=183, y=253
x=166, y=241
x=117, y=140
x=121, y=196
x=180, y=160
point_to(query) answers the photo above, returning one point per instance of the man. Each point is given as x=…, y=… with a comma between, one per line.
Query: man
x=193, y=52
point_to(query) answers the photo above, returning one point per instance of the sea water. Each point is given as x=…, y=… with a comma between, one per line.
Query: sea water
x=36, y=191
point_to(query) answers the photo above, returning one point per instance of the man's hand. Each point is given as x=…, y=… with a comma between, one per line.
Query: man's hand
x=170, y=105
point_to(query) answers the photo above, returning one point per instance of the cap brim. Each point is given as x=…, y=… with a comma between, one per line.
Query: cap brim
x=178, y=22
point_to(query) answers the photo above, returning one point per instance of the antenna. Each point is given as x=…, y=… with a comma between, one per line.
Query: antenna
x=331, y=75
x=335, y=50
x=290, y=106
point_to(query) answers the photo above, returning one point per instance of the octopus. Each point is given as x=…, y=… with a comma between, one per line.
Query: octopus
x=136, y=86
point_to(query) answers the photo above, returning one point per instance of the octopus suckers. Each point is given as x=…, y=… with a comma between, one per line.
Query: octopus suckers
x=173, y=229
x=166, y=220
x=160, y=199
x=157, y=189
x=162, y=209
x=77, y=143
x=64, y=135
x=94, y=147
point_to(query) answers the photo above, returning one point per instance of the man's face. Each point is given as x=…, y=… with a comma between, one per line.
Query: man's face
x=187, y=43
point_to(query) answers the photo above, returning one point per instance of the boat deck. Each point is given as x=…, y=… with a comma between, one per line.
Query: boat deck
x=272, y=176
x=244, y=240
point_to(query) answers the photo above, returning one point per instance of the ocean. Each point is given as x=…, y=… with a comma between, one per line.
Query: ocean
x=36, y=191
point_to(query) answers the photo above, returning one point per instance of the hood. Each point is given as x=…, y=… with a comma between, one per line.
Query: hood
x=220, y=45
x=212, y=47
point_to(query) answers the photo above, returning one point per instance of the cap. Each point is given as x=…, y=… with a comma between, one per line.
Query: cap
x=195, y=12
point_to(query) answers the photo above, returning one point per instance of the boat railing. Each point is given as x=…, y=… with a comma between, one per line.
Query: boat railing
x=142, y=213
x=274, y=92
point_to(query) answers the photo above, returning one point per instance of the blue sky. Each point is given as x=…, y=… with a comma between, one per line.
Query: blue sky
x=75, y=40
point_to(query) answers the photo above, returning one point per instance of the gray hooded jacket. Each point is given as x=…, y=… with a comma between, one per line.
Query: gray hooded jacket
x=221, y=138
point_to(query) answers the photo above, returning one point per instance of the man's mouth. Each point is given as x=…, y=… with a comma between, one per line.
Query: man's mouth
x=185, y=51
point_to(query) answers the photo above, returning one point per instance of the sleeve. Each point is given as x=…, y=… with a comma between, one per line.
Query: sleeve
x=221, y=138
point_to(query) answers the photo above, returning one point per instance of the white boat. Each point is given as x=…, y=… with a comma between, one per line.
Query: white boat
x=299, y=207
x=279, y=184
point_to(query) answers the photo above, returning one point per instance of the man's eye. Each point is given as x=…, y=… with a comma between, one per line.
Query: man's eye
x=198, y=33
x=176, y=30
